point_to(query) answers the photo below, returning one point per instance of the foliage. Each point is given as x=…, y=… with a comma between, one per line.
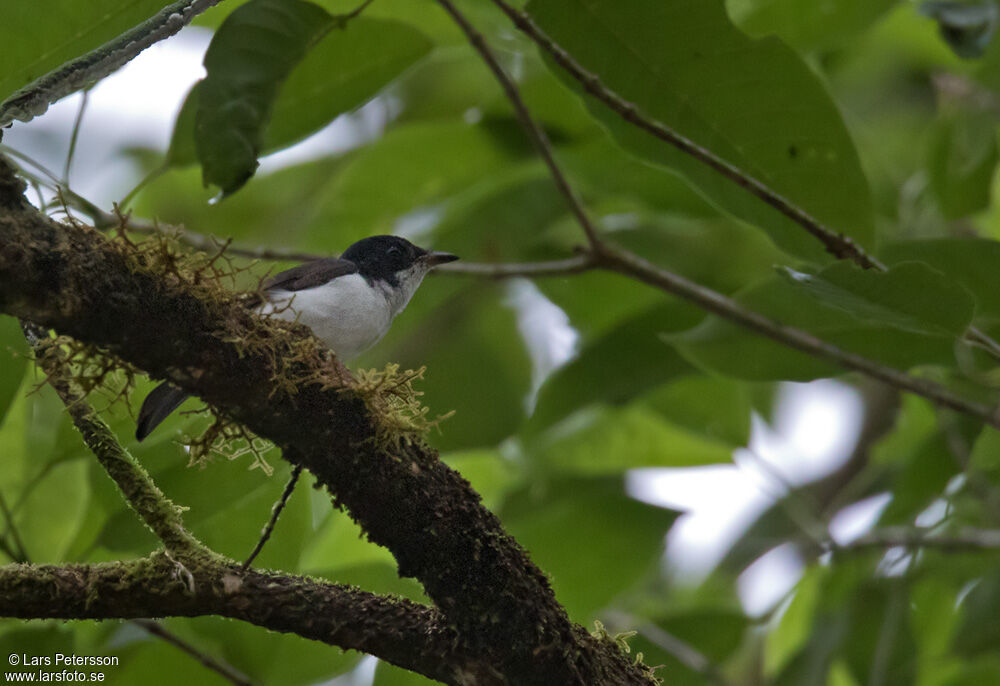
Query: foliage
x=879, y=118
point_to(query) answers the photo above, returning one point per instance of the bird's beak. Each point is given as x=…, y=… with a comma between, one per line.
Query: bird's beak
x=433, y=259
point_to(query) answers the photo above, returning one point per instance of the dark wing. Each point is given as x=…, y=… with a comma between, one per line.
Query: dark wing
x=310, y=274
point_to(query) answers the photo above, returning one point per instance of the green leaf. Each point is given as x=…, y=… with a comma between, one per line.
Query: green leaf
x=589, y=536
x=267, y=657
x=341, y=72
x=717, y=408
x=807, y=24
x=423, y=164
x=978, y=630
x=601, y=373
x=716, y=634
x=249, y=58
x=923, y=477
x=630, y=438
x=963, y=156
x=723, y=347
x=477, y=364
x=753, y=103
x=391, y=675
x=969, y=262
x=13, y=361
x=34, y=44
x=910, y=296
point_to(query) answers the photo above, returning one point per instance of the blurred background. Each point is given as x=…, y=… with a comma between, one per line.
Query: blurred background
x=674, y=478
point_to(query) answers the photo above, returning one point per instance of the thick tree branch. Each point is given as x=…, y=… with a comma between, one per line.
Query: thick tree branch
x=278, y=381
x=399, y=631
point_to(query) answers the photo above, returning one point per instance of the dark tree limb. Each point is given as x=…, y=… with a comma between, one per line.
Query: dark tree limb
x=506, y=617
x=399, y=631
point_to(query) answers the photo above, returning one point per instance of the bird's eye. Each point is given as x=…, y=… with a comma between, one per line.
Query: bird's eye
x=394, y=250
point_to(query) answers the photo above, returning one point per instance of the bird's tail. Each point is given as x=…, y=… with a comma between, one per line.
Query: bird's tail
x=157, y=406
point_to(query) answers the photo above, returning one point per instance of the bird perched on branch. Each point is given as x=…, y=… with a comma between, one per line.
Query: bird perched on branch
x=349, y=303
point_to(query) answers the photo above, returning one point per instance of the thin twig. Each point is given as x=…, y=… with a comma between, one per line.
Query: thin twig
x=77, y=123
x=21, y=554
x=265, y=534
x=536, y=132
x=357, y=10
x=225, y=671
x=961, y=540
x=836, y=244
x=570, y=265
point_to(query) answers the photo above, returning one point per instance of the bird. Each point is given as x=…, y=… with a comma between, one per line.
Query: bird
x=348, y=302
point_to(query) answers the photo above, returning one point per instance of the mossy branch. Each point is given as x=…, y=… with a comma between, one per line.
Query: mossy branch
x=284, y=386
x=155, y=510
x=412, y=636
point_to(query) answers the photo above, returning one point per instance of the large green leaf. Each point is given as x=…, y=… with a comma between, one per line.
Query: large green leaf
x=589, y=536
x=13, y=353
x=344, y=70
x=714, y=633
x=710, y=406
x=629, y=438
x=721, y=346
x=411, y=169
x=910, y=296
x=977, y=630
x=807, y=24
x=249, y=58
x=602, y=373
x=35, y=44
x=923, y=477
x=477, y=364
x=970, y=262
x=963, y=156
x=754, y=103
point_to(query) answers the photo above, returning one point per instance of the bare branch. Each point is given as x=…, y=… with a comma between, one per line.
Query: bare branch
x=636, y=267
x=275, y=513
x=536, y=132
x=961, y=540
x=838, y=245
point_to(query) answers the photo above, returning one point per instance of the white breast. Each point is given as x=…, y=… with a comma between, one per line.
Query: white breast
x=347, y=314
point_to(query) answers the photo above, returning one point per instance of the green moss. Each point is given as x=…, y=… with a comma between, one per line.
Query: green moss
x=394, y=405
